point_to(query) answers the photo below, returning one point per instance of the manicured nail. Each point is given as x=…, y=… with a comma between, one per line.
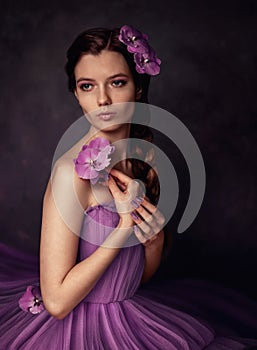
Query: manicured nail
x=134, y=216
x=134, y=203
x=139, y=199
x=136, y=229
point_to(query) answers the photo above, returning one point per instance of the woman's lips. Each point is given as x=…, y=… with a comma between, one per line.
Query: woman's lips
x=105, y=116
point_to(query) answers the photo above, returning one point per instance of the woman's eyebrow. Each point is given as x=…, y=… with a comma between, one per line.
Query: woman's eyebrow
x=111, y=77
x=118, y=75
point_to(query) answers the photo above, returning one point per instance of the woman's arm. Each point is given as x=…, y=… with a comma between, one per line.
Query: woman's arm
x=153, y=254
x=148, y=229
x=63, y=282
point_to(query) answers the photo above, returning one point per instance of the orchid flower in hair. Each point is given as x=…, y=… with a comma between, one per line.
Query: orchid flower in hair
x=147, y=62
x=134, y=39
x=144, y=55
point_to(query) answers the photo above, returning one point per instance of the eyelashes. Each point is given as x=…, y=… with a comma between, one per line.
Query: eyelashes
x=84, y=86
x=121, y=82
x=116, y=83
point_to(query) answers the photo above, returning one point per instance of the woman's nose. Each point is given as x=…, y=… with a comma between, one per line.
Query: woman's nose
x=103, y=97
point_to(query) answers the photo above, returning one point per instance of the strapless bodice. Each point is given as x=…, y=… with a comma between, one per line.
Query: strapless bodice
x=122, y=278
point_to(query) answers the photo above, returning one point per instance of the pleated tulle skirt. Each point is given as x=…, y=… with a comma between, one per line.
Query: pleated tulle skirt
x=176, y=315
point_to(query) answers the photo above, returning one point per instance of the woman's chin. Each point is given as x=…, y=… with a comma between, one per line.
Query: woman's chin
x=112, y=128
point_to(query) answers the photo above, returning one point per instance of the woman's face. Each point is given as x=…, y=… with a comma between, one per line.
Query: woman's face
x=103, y=81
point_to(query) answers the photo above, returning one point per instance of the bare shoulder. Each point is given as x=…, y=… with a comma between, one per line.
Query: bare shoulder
x=66, y=184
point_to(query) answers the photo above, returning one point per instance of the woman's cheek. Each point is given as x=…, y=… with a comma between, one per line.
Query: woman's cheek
x=128, y=96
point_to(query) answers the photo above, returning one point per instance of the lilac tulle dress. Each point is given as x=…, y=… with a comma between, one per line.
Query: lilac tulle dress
x=118, y=314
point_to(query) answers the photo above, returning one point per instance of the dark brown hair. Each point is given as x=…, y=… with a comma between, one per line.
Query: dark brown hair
x=93, y=41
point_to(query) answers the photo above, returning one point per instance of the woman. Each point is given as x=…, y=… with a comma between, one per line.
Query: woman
x=89, y=280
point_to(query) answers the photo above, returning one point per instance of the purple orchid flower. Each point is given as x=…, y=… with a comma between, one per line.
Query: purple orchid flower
x=134, y=39
x=31, y=301
x=93, y=159
x=147, y=62
x=144, y=55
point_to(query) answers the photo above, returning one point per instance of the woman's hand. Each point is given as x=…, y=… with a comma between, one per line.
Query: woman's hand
x=124, y=189
x=149, y=221
x=135, y=209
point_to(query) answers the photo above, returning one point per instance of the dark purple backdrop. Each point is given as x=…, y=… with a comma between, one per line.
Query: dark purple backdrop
x=208, y=53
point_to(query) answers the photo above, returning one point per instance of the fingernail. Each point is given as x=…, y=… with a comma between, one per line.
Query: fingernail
x=139, y=199
x=136, y=229
x=135, y=203
x=134, y=216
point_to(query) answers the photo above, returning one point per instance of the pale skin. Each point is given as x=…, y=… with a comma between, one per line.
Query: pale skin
x=64, y=283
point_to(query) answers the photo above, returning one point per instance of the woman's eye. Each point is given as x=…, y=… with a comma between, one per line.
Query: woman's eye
x=119, y=83
x=85, y=86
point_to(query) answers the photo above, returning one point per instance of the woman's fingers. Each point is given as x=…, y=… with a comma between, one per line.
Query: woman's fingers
x=142, y=238
x=130, y=186
x=148, y=212
x=121, y=185
x=149, y=206
x=116, y=192
x=147, y=217
x=147, y=230
x=121, y=196
x=139, y=234
x=121, y=176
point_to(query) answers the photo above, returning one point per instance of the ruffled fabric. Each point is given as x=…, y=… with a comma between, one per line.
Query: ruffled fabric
x=118, y=313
